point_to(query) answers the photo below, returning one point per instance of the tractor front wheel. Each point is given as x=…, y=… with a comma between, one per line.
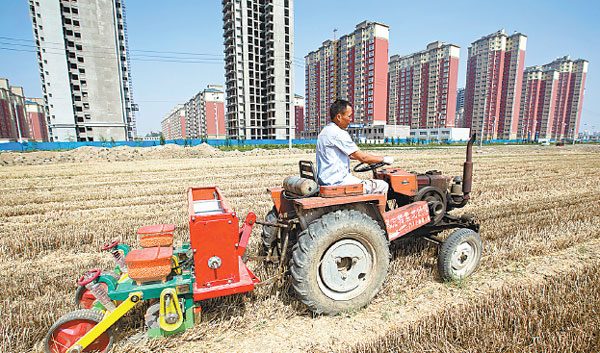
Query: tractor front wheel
x=339, y=262
x=71, y=327
x=459, y=254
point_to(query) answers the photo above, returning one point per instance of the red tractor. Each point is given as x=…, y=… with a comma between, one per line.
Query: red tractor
x=339, y=238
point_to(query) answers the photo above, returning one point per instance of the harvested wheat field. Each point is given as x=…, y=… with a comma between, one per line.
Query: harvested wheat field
x=536, y=288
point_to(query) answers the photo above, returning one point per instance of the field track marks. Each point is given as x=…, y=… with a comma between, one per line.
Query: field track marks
x=303, y=333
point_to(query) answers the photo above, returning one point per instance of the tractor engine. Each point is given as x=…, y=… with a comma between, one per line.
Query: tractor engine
x=441, y=192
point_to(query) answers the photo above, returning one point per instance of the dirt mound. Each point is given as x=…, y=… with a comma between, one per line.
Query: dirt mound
x=126, y=153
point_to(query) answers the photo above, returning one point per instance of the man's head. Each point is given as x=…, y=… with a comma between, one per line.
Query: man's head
x=340, y=113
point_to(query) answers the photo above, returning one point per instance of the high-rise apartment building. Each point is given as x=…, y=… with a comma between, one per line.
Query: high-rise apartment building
x=493, y=87
x=193, y=109
x=259, y=72
x=422, y=87
x=202, y=117
x=353, y=67
x=552, y=100
x=174, y=124
x=299, y=115
x=84, y=68
x=36, y=118
x=460, y=98
x=211, y=113
x=460, y=108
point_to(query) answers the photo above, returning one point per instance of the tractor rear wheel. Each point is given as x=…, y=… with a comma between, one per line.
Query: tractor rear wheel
x=71, y=327
x=459, y=254
x=339, y=262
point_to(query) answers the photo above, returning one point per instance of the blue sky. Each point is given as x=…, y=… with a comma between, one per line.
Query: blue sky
x=554, y=29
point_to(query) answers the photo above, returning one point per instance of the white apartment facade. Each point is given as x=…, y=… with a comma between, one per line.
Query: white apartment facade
x=84, y=68
x=259, y=71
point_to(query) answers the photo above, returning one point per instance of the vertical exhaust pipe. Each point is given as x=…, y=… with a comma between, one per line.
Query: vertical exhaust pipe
x=468, y=169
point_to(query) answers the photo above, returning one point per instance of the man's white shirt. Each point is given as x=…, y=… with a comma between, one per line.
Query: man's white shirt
x=334, y=146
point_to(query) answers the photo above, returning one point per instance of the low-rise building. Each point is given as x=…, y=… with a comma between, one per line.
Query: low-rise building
x=453, y=134
x=379, y=133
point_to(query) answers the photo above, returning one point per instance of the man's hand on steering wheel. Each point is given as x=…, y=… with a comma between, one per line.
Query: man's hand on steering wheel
x=363, y=167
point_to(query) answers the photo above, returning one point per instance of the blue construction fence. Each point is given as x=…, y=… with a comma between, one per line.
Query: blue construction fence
x=50, y=146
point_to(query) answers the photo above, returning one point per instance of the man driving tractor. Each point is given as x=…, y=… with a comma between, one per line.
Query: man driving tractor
x=335, y=148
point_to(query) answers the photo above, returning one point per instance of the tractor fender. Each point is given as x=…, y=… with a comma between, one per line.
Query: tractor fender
x=307, y=217
x=282, y=205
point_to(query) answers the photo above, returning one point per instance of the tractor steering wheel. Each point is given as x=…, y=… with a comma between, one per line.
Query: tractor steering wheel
x=363, y=167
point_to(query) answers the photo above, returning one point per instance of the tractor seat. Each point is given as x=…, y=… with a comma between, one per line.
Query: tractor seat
x=307, y=171
x=340, y=190
x=149, y=264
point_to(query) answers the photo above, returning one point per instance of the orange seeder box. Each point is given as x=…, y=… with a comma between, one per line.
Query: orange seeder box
x=149, y=264
x=156, y=235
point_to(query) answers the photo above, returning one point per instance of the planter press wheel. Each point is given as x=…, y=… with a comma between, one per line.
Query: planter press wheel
x=71, y=327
